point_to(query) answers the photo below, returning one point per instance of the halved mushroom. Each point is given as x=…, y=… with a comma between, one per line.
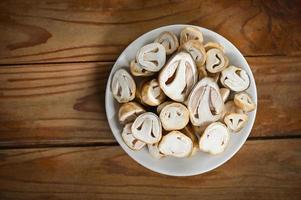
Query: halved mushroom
x=215, y=138
x=147, y=128
x=230, y=107
x=244, y=101
x=137, y=69
x=123, y=86
x=139, y=91
x=151, y=57
x=154, y=150
x=174, y=116
x=196, y=50
x=176, y=144
x=213, y=45
x=178, y=76
x=162, y=105
x=129, y=140
x=236, y=121
x=128, y=112
x=235, y=78
x=151, y=93
x=190, y=33
x=205, y=103
x=225, y=92
x=216, y=61
x=169, y=40
x=189, y=132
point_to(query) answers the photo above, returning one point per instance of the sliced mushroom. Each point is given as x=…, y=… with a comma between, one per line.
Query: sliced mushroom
x=215, y=138
x=176, y=144
x=151, y=57
x=189, y=132
x=129, y=140
x=178, y=76
x=205, y=103
x=213, y=45
x=123, y=86
x=129, y=111
x=162, y=105
x=216, y=61
x=154, y=150
x=235, y=121
x=225, y=92
x=190, y=33
x=235, y=78
x=244, y=101
x=174, y=116
x=137, y=69
x=196, y=50
x=230, y=107
x=151, y=93
x=169, y=40
x=147, y=128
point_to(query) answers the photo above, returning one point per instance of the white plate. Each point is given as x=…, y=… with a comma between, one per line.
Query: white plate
x=201, y=162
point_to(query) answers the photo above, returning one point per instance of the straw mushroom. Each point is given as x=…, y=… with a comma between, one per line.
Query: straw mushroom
x=169, y=40
x=216, y=61
x=190, y=33
x=129, y=140
x=235, y=78
x=152, y=94
x=244, y=101
x=129, y=111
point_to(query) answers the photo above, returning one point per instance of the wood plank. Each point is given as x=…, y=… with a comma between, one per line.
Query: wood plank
x=55, y=104
x=267, y=170
x=59, y=31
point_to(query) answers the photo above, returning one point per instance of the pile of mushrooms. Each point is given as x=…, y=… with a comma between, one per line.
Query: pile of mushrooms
x=181, y=96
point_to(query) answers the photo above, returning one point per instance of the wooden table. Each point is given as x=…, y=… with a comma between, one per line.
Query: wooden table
x=55, y=58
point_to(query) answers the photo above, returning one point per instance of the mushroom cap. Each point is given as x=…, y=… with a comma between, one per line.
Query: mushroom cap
x=176, y=144
x=151, y=93
x=129, y=140
x=123, y=86
x=151, y=57
x=225, y=92
x=216, y=61
x=174, y=116
x=205, y=103
x=244, y=101
x=235, y=78
x=129, y=111
x=191, y=33
x=197, y=51
x=178, y=76
x=189, y=132
x=154, y=150
x=213, y=45
x=147, y=128
x=137, y=70
x=236, y=121
x=169, y=40
x=215, y=138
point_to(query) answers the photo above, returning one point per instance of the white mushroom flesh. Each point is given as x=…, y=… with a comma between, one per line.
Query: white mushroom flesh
x=152, y=94
x=169, y=40
x=154, y=151
x=196, y=50
x=129, y=111
x=236, y=121
x=225, y=92
x=216, y=61
x=176, y=144
x=190, y=33
x=178, y=76
x=235, y=79
x=123, y=86
x=205, y=103
x=174, y=116
x=147, y=128
x=137, y=69
x=129, y=139
x=151, y=57
x=244, y=101
x=215, y=138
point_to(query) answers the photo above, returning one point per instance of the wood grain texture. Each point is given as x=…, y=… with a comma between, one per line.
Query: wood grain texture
x=258, y=171
x=64, y=31
x=59, y=104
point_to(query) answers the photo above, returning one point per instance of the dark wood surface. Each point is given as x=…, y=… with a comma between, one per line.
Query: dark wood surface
x=55, y=57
